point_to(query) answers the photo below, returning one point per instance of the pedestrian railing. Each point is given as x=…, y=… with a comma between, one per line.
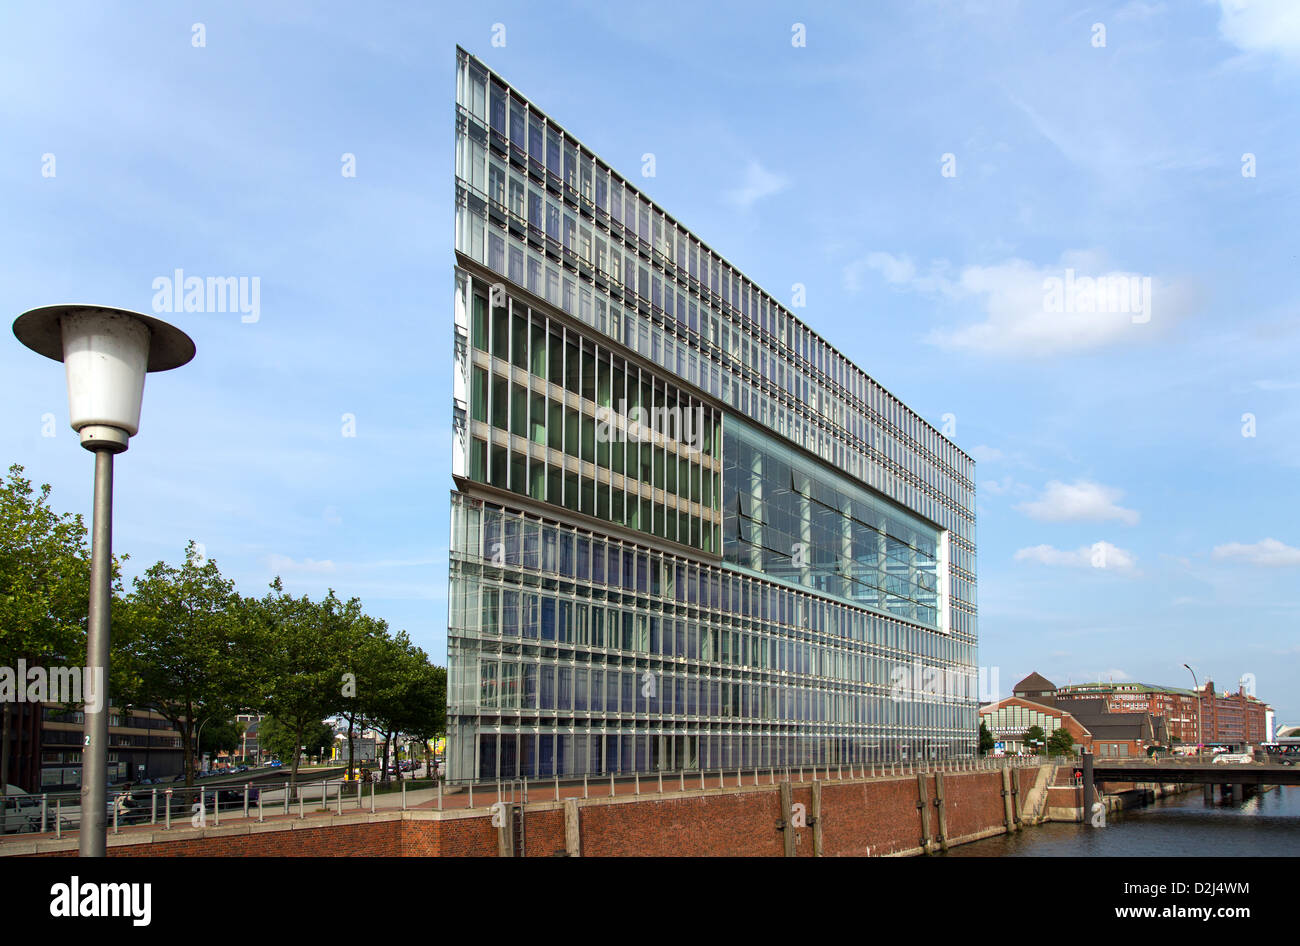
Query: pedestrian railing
x=175, y=805
x=172, y=806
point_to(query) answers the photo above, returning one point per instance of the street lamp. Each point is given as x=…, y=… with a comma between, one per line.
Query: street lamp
x=106, y=353
x=1200, y=738
x=198, y=743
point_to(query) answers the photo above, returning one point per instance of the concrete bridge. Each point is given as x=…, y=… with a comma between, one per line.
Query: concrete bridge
x=1196, y=772
x=1234, y=776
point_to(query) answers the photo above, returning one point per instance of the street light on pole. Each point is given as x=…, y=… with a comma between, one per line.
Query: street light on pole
x=198, y=742
x=106, y=353
x=1200, y=738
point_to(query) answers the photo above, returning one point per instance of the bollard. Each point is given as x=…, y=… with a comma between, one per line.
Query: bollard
x=471, y=794
x=168, y=815
x=584, y=785
x=115, y=807
x=611, y=784
x=325, y=795
x=286, y=798
x=153, y=809
x=45, y=804
x=372, y=798
x=439, y=794
x=557, y=788
x=216, y=807
x=403, y=796
x=661, y=783
x=259, y=805
x=359, y=795
x=338, y=801
x=58, y=821
x=682, y=780
x=636, y=779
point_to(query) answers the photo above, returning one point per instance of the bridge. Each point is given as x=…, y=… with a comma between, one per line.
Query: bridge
x=1195, y=771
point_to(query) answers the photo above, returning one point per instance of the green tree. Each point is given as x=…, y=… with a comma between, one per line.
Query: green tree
x=410, y=697
x=1060, y=743
x=44, y=588
x=986, y=739
x=1034, y=738
x=282, y=741
x=300, y=650
x=220, y=735
x=179, y=647
x=366, y=666
x=434, y=724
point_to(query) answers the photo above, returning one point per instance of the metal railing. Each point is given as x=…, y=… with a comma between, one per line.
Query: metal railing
x=174, y=805
x=177, y=806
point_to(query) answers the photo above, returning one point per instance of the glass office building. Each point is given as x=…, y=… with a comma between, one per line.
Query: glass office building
x=686, y=531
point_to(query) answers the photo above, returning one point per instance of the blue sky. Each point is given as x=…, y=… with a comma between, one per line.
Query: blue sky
x=820, y=164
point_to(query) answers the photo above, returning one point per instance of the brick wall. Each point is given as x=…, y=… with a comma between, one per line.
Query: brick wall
x=876, y=816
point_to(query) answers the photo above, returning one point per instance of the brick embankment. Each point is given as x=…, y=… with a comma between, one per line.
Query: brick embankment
x=879, y=815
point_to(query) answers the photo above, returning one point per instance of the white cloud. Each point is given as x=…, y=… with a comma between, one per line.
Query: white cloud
x=1099, y=555
x=1023, y=314
x=898, y=271
x=984, y=454
x=1262, y=26
x=1075, y=305
x=1268, y=552
x=758, y=183
x=284, y=564
x=1003, y=486
x=1080, y=501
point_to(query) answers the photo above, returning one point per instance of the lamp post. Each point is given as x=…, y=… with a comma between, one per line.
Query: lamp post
x=1200, y=738
x=106, y=353
x=198, y=742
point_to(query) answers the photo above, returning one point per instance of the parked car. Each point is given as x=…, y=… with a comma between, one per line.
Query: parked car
x=22, y=811
x=1233, y=758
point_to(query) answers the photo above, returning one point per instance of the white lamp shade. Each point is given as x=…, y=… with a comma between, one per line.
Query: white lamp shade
x=106, y=355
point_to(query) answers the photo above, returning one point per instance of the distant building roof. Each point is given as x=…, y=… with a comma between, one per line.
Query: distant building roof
x=1034, y=683
x=1126, y=687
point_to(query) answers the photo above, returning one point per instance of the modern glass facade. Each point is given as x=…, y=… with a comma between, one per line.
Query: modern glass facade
x=686, y=531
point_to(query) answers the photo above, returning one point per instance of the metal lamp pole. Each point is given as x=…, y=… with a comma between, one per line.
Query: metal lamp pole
x=198, y=742
x=106, y=353
x=1200, y=736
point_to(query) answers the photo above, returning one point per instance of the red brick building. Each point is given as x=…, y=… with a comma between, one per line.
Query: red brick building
x=1232, y=718
x=1224, y=719
x=1008, y=719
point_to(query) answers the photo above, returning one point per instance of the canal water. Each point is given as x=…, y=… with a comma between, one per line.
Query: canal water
x=1177, y=826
